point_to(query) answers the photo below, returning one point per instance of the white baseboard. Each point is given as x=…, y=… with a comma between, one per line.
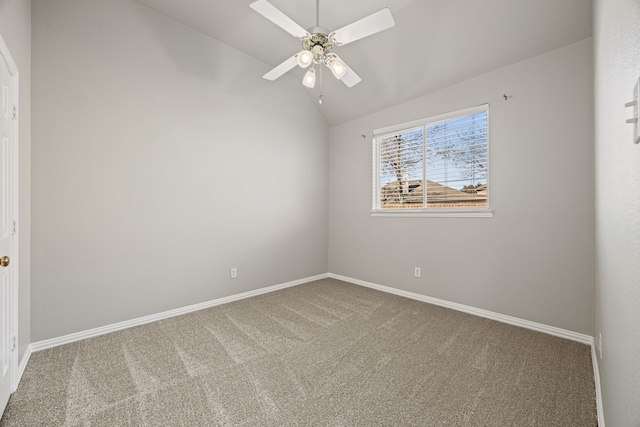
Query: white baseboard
x=551, y=330
x=21, y=367
x=596, y=377
x=66, y=339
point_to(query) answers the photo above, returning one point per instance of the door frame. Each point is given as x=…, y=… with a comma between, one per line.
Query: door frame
x=5, y=56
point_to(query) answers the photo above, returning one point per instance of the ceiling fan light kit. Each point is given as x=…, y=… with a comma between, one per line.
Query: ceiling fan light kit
x=335, y=64
x=318, y=42
x=309, y=79
x=305, y=58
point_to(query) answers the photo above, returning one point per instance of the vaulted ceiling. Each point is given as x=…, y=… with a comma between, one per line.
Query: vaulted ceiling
x=434, y=44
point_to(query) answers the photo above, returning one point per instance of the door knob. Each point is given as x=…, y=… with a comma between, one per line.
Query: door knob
x=4, y=261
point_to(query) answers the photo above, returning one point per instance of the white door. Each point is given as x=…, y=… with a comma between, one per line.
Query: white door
x=8, y=117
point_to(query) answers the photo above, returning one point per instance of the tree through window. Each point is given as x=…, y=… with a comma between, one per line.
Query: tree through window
x=441, y=162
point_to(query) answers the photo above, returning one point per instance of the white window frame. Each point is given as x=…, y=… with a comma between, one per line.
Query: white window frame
x=460, y=212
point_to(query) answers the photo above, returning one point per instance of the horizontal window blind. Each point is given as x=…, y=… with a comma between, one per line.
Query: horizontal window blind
x=440, y=162
x=401, y=166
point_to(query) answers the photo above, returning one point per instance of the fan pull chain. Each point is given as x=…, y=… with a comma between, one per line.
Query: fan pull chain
x=320, y=97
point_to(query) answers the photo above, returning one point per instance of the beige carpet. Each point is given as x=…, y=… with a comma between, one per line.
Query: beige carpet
x=325, y=353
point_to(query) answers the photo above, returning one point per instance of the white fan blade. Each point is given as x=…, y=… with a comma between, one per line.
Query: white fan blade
x=350, y=78
x=269, y=11
x=281, y=69
x=374, y=23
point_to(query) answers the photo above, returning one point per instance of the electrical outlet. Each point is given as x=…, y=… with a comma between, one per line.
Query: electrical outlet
x=234, y=273
x=600, y=344
x=417, y=272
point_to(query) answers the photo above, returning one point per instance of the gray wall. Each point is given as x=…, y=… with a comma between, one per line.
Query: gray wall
x=617, y=68
x=161, y=159
x=534, y=258
x=15, y=28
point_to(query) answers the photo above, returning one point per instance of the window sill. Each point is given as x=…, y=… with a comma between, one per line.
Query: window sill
x=433, y=213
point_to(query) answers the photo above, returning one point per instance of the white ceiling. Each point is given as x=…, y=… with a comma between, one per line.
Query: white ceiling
x=434, y=44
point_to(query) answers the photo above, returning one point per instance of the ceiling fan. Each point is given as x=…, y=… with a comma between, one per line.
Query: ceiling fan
x=318, y=42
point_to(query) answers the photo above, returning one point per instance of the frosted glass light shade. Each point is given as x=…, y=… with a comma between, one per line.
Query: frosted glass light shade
x=337, y=67
x=309, y=79
x=305, y=58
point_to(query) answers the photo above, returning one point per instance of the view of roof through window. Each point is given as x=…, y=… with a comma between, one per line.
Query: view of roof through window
x=442, y=164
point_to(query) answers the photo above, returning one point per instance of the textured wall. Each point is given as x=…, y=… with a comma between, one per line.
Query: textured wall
x=617, y=68
x=15, y=28
x=534, y=258
x=161, y=159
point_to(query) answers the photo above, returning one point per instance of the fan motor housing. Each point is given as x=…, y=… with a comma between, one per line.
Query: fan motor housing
x=317, y=38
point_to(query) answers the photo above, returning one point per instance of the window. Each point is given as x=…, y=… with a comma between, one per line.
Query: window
x=433, y=167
